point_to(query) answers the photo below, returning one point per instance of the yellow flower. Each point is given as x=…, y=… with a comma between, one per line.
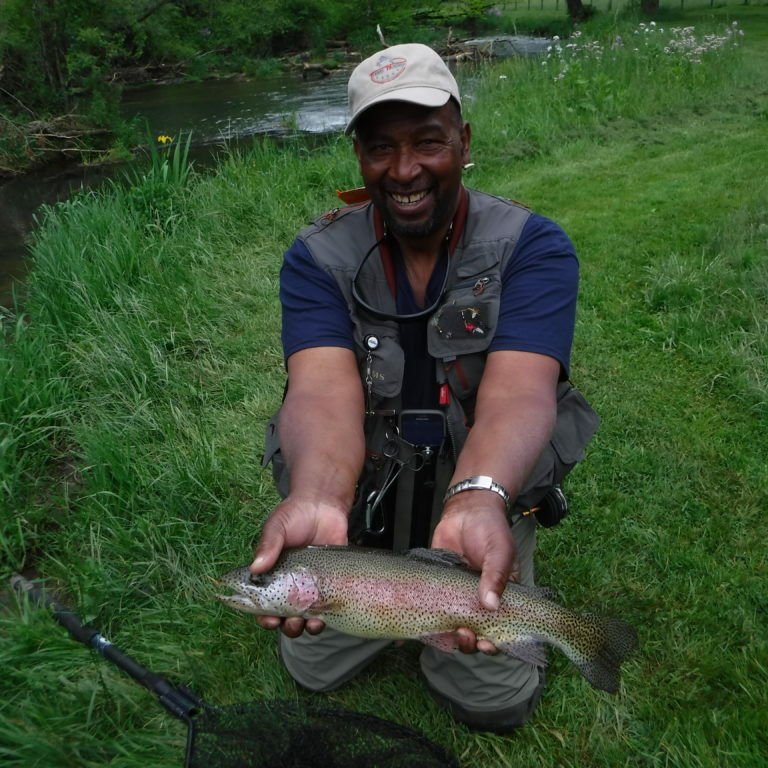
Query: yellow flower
x=164, y=139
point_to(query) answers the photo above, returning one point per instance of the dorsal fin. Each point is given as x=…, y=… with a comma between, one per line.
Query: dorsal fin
x=541, y=593
x=445, y=557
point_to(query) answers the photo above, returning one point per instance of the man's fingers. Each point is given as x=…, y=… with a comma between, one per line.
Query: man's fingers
x=293, y=626
x=499, y=567
x=269, y=622
x=486, y=646
x=466, y=640
x=314, y=626
x=493, y=580
x=468, y=643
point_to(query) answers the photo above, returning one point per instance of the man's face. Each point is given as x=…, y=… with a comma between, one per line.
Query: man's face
x=411, y=159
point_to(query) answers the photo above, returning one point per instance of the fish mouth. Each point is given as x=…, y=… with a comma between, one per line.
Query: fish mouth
x=242, y=603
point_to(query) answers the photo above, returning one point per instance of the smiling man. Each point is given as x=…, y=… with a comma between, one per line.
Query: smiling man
x=411, y=162
x=427, y=332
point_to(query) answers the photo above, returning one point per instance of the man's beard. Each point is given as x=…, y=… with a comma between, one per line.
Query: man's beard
x=440, y=217
x=412, y=231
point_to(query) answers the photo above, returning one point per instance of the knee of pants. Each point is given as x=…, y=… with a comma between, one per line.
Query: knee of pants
x=498, y=720
x=326, y=661
x=478, y=681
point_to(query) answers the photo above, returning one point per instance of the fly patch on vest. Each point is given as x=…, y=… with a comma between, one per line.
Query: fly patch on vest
x=465, y=323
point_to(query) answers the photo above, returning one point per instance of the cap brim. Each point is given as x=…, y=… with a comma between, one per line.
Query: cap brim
x=425, y=97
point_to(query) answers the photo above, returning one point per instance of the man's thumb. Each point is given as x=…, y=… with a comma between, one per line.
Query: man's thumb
x=269, y=548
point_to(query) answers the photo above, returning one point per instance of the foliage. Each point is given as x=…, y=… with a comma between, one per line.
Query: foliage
x=72, y=45
x=61, y=56
x=80, y=45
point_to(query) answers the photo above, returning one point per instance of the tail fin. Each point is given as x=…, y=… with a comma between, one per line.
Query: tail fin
x=610, y=643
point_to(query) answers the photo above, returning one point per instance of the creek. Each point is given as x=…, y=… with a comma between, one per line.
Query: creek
x=219, y=113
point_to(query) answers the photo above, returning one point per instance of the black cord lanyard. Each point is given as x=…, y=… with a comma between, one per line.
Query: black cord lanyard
x=380, y=313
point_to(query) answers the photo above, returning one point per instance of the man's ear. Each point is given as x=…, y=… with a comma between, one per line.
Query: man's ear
x=466, y=138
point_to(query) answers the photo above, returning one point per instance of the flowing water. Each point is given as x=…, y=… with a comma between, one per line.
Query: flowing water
x=217, y=112
x=220, y=110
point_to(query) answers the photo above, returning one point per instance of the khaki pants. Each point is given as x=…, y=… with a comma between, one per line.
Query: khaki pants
x=476, y=684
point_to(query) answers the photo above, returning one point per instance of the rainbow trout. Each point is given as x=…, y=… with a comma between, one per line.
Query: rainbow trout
x=426, y=594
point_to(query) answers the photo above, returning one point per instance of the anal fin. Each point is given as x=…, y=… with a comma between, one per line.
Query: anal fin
x=526, y=648
x=443, y=641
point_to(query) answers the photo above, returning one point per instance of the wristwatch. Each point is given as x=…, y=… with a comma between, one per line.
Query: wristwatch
x=477, y=483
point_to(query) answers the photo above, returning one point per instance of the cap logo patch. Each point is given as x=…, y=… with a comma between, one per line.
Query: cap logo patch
x=388, y=69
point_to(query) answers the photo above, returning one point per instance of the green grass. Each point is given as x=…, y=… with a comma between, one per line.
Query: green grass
x=135, y=386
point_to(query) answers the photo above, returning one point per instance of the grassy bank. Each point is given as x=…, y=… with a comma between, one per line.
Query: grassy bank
x=134, y=390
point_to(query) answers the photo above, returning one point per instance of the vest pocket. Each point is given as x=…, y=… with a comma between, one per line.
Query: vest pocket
x=576, y=423
x=466, y=321
x=272, y=453
x=383, y=365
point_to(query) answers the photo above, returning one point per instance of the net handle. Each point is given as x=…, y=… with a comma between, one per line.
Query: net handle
x=179, y=701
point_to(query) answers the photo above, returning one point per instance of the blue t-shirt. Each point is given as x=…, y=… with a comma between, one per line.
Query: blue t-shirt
x=537, y=312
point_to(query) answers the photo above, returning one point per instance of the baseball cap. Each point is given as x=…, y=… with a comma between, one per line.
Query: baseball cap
x=410, y=72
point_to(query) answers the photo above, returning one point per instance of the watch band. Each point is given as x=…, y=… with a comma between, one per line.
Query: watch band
x=477, y=483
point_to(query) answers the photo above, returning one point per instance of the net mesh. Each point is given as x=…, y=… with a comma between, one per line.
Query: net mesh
x=299, y=735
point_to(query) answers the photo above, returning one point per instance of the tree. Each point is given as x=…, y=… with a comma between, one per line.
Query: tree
x=576, y=10
x=649, y=7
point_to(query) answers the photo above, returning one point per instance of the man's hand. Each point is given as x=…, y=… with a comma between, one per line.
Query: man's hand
x=297, y=523
x=514, y=417
x=475, y=525
x=322, y=441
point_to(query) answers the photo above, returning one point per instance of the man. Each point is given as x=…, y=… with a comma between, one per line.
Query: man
x=407, y=320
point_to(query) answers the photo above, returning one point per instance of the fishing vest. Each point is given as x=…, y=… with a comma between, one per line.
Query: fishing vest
x=459, y=333
x=463, y=325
